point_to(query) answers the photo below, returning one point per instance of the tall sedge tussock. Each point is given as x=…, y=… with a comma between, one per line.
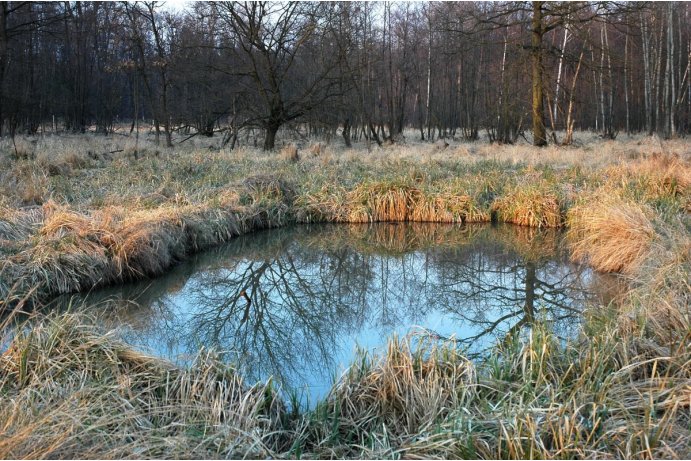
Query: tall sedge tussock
x=610, y=234
x=18, y=225
x=75, y=251
x=658, y=306
x=406, y=392
x=382, y=202
x=663, y=175
x=290, y=153
x=529, y=207
x=389, y=201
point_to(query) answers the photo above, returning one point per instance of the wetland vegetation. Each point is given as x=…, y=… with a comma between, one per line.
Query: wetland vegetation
x=617, y=386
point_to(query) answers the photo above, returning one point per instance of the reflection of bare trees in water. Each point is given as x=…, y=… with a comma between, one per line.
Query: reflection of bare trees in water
x=500, y=292
x=293, y=312
x=284, y=300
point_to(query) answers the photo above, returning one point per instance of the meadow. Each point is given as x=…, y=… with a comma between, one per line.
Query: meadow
x=82, y=211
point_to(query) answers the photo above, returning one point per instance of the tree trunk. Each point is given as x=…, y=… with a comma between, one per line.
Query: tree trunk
x=658, y=82
x=373, y=133
x=647, y=96
x=3, y=57
x=569, y=113
x=428, y=118
x=157, y=128
x=539, y=132
x=418, y=103
x=169, y=140
x=346, y=133
x=270, y=139
x=602, y=83
x=596, y=99
x=610, y=103
x=561, y=62
x=626, y=84
x=670, y=64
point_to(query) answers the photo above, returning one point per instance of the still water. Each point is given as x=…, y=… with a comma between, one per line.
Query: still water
x=296, y=303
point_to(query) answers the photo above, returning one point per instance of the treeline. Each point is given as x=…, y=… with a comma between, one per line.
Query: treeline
x=356, y=70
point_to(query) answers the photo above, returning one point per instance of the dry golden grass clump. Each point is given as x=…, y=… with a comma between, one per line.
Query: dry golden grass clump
x=392, y=201
x=529, y=206
x=18, y=225
x=610, y=234
x=290, y=152
x=72, y=392
x=61, y=163
x=651, y=178
x=658, y=306
x=664, y=175
x=25, y=184
x=317, y=149
x=408, y=391
x=266, y=186
x=374, y=202
x=448, y=207
x=591, y=400
x=73, y=251
x=394, y=403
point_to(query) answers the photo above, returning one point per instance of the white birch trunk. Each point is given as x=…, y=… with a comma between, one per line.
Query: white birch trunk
x=610, y=112
x=647, y=99
x=658, y=78
x=602, y=66
x=561, y=62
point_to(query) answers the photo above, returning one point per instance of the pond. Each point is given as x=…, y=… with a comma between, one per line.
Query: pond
x=295, y=303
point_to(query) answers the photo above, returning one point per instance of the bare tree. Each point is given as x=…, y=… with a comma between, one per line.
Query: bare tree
x=268, y=38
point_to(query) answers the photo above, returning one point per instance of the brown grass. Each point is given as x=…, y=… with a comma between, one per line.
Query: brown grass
x=610, y=234
x=529, y=206
x=620, y=391
x=663, y=175
x=76, y=251
x=395, y=201
x=98, y=398
x=290, y=152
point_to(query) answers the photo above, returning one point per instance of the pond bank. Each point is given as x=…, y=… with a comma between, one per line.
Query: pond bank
x=63, y=248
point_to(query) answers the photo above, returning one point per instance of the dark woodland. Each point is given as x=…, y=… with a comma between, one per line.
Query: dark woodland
x=353, y=70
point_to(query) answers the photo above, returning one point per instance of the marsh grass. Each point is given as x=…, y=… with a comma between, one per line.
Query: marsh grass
x=529, y=206
x=88, y=216
x=74, y=391
x=95, y=397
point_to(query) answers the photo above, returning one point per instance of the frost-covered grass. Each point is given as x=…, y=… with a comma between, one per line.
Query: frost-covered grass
x=81, y=211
